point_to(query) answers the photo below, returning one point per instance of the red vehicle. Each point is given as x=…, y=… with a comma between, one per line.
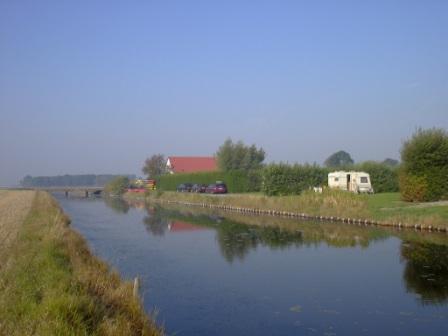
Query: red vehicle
x=216, y=188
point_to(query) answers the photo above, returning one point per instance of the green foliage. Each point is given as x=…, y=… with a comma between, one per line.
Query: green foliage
x=391, y=162
x=383, y=177
x=425, y=166
x=238, y=156
x=413, y=188
x=155, y=166
x=284, y=179
x=117, y=186
x=236, y=181
x=339, y=159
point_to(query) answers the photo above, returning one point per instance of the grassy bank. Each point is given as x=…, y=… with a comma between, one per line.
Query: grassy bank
x=50, y=283
x=385, y=207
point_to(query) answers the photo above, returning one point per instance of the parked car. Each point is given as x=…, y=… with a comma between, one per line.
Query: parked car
x=184, y=187
x=199, y=188
x=217, y=188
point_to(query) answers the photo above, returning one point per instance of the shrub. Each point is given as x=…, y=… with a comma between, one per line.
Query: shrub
x=413, y=188
x=425, y=166
x=284, y=179
x=117, y=186
x=384, y=178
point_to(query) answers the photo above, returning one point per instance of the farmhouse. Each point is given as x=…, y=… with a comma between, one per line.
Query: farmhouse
x=190, y=164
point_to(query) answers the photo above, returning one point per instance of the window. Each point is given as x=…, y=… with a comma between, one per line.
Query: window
x=336, y=179
x=364, y=179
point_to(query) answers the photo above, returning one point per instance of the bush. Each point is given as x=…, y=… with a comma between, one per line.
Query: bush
x=425, y=166
x=236, y=181
x=284, y=179
x=117, y=186
x=413, y=188
x=383, y=177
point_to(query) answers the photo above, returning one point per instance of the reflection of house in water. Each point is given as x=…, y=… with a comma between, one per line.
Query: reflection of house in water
x=179, y=226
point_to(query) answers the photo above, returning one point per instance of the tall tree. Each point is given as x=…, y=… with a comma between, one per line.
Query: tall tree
x=391, y=162
x=155, y=166
x=238, y=156
x=339, y=159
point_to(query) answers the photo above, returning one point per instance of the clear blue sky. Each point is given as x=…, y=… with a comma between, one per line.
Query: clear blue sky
x=98, y=86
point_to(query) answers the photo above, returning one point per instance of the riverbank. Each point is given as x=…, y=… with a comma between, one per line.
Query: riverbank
x=379, y=209
x=50, y=283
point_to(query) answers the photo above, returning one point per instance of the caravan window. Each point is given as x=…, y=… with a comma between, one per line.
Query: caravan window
x=336, y=179
x=364, y=179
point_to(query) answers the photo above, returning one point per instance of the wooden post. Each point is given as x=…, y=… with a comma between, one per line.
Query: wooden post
x=136, y=286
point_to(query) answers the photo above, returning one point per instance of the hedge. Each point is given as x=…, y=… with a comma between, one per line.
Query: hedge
x=284, y=179
x=383, y=177
x=236, y=181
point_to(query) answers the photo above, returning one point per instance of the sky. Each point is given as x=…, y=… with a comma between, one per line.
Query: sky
x=98, y=86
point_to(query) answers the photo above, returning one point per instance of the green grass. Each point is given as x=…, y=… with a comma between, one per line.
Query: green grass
x=389, y=206
x=386, y=207
x=53, y=285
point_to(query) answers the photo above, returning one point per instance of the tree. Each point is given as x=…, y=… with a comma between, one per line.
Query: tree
x=117, y=186
x=155, y=166
x=425, y=166
x=339, y=159
x=391, y=162
x=238, y=156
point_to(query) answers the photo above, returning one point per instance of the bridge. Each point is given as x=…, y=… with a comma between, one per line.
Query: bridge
x=87, y=190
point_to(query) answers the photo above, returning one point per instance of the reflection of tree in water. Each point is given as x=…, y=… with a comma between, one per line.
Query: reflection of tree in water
x=117, y=204
x=426, y=271
x=155, y=222
x=236, y=240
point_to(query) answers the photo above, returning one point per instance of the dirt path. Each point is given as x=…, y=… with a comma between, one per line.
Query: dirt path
x=14, y=206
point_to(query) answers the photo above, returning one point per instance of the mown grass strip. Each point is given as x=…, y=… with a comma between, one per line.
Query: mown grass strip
x=53, y=285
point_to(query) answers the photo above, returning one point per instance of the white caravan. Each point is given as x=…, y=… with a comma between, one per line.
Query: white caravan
x=357, y=182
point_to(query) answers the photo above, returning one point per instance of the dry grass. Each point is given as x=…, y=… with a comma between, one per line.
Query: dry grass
x=14, y=207
x=55, y=286
x=330, y=203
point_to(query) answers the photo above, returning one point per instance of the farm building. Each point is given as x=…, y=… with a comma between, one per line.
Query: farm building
x=191, y=164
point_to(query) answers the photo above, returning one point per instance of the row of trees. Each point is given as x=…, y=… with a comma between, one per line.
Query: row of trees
x=422, y=176
x=68, y=180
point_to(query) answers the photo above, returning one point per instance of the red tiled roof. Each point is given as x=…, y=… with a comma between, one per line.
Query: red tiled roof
x=192, y=164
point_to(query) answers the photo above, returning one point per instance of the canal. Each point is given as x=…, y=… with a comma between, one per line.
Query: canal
x=217, y=273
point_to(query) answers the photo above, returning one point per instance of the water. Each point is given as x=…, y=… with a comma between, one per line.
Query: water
x=211, y=275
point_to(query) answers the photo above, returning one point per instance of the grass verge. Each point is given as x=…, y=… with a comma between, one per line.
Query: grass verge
x=53, y=285
x=385, y=207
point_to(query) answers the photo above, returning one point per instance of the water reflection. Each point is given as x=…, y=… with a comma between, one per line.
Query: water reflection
x=426, y=270
x=155, y=222
x=425, y=256
x=213, y=272
x=117, y=204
